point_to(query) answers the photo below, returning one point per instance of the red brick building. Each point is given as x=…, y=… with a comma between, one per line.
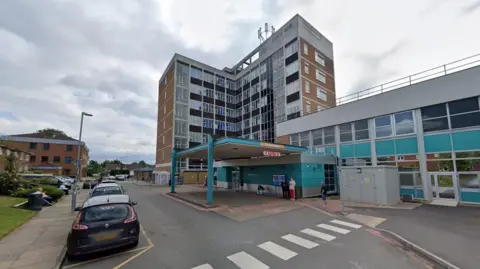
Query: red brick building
x=22, y=157
x=50, y=153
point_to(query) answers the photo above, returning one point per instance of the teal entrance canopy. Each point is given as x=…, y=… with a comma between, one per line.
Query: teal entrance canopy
x=227, y=149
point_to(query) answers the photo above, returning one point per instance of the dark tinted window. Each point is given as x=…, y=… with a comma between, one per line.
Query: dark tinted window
x=435, y=124
x=462, y=106
x=106, y=191
x=434, y=111
x=465, y=120
x=105, y=213
x=361, y=125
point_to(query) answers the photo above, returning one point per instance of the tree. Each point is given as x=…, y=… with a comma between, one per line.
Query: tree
x=94, y=167
x=143, y=163
x=9, y=180
x=51, y=132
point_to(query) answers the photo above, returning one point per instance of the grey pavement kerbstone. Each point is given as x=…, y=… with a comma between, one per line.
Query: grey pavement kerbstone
x=38, y=243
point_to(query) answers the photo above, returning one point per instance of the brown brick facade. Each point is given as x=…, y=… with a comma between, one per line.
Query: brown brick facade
x=283, y=139
x=56, y=154
x=310, y=78
x=166, y=91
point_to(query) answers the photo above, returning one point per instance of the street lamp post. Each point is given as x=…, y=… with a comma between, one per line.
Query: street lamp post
x=79, y=164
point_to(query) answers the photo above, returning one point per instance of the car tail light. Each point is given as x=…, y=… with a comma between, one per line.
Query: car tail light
x=77, y=225
x=133, y=217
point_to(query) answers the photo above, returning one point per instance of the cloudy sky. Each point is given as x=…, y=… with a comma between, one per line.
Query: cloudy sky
x=61, y=57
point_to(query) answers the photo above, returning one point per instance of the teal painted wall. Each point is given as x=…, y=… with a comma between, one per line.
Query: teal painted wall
x=409, y=191
x=331, y=150
x=312, y=175
x=362, y=150
x=305, y=174
x=468, y=140
x=385, y=147
x=406, y=146
x=224, y=174
x=471, y=197
x=437, y=143
x=347, y=151
x=264, y=174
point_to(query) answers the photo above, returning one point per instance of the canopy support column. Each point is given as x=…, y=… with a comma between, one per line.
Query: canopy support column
x=174, y=171
x=210, y=171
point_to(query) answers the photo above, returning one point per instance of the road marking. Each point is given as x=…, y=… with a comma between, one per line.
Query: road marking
x=318, y=234
x=277, y=250
x=333, y=228
x=150, y=243
x=203, y=266
x=140, y=253
x=246, y=261
x=344, y=223
x=102, y=258
x=300, y=241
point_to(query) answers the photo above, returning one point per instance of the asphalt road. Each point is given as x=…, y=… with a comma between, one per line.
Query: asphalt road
x=183, y=237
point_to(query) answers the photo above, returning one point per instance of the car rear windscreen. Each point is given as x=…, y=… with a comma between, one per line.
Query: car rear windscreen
x=105, y=213
x=106, y=191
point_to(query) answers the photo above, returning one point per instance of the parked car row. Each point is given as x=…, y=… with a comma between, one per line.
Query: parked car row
x=106, y=220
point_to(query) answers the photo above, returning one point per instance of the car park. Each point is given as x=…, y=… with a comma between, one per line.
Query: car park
x=103, y=223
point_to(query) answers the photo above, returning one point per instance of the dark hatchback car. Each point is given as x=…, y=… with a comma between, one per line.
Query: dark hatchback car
x=103, y=223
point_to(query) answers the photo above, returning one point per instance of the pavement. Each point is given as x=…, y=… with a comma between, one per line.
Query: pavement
x=40, y=242
x=186, y=236
x=448, y=232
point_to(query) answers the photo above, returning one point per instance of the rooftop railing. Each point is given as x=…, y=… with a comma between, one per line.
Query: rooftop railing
x=439, y=71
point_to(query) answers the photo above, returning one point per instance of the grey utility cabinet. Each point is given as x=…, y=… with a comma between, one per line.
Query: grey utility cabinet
x=370, y=184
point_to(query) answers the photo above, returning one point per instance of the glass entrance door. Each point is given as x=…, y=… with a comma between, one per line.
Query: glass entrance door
x=443, y=186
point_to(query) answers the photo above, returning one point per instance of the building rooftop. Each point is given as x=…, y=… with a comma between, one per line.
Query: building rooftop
x=57, y=136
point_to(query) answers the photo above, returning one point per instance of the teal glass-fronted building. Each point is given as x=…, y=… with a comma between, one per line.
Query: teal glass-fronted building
x=429, y=130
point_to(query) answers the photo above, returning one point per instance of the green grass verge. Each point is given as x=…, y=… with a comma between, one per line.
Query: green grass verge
x=11, y=218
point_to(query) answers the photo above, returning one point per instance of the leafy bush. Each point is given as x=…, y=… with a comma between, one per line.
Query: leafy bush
x=9, y=178
x=51, y=191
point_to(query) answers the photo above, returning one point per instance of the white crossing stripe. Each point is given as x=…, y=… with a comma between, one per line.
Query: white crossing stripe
x=300, y=241
x=333, y=228
x=246, y=261
x=344, y=223
x=277, y=250
x=203, y=266
x=318, y=234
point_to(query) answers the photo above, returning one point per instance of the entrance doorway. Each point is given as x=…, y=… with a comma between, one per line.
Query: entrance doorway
x=444, y=186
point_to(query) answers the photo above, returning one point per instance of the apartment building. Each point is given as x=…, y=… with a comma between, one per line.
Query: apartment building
x=290, y=74
x=52, y=154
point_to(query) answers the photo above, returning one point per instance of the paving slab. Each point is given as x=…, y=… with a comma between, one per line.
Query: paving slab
x=38, y=243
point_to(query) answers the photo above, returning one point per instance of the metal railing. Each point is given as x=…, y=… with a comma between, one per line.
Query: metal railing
x=439, y=71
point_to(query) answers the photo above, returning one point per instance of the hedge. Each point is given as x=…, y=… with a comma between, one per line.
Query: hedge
x=51, y=191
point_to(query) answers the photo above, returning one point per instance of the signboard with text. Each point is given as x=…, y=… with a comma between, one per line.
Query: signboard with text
x=271, y=154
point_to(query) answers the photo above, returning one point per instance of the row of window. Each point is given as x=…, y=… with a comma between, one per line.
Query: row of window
x=46, y=159
x=46, y=146
x=321, y=93
x=453, y=115
x=308, y=107
x=318, y=57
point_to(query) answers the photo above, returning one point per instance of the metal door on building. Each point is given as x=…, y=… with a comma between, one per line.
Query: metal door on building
x=443, y=185
x=367, y=188
x=236, y=180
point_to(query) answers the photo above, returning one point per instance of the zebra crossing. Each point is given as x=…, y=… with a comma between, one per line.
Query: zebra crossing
x=324, y=231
